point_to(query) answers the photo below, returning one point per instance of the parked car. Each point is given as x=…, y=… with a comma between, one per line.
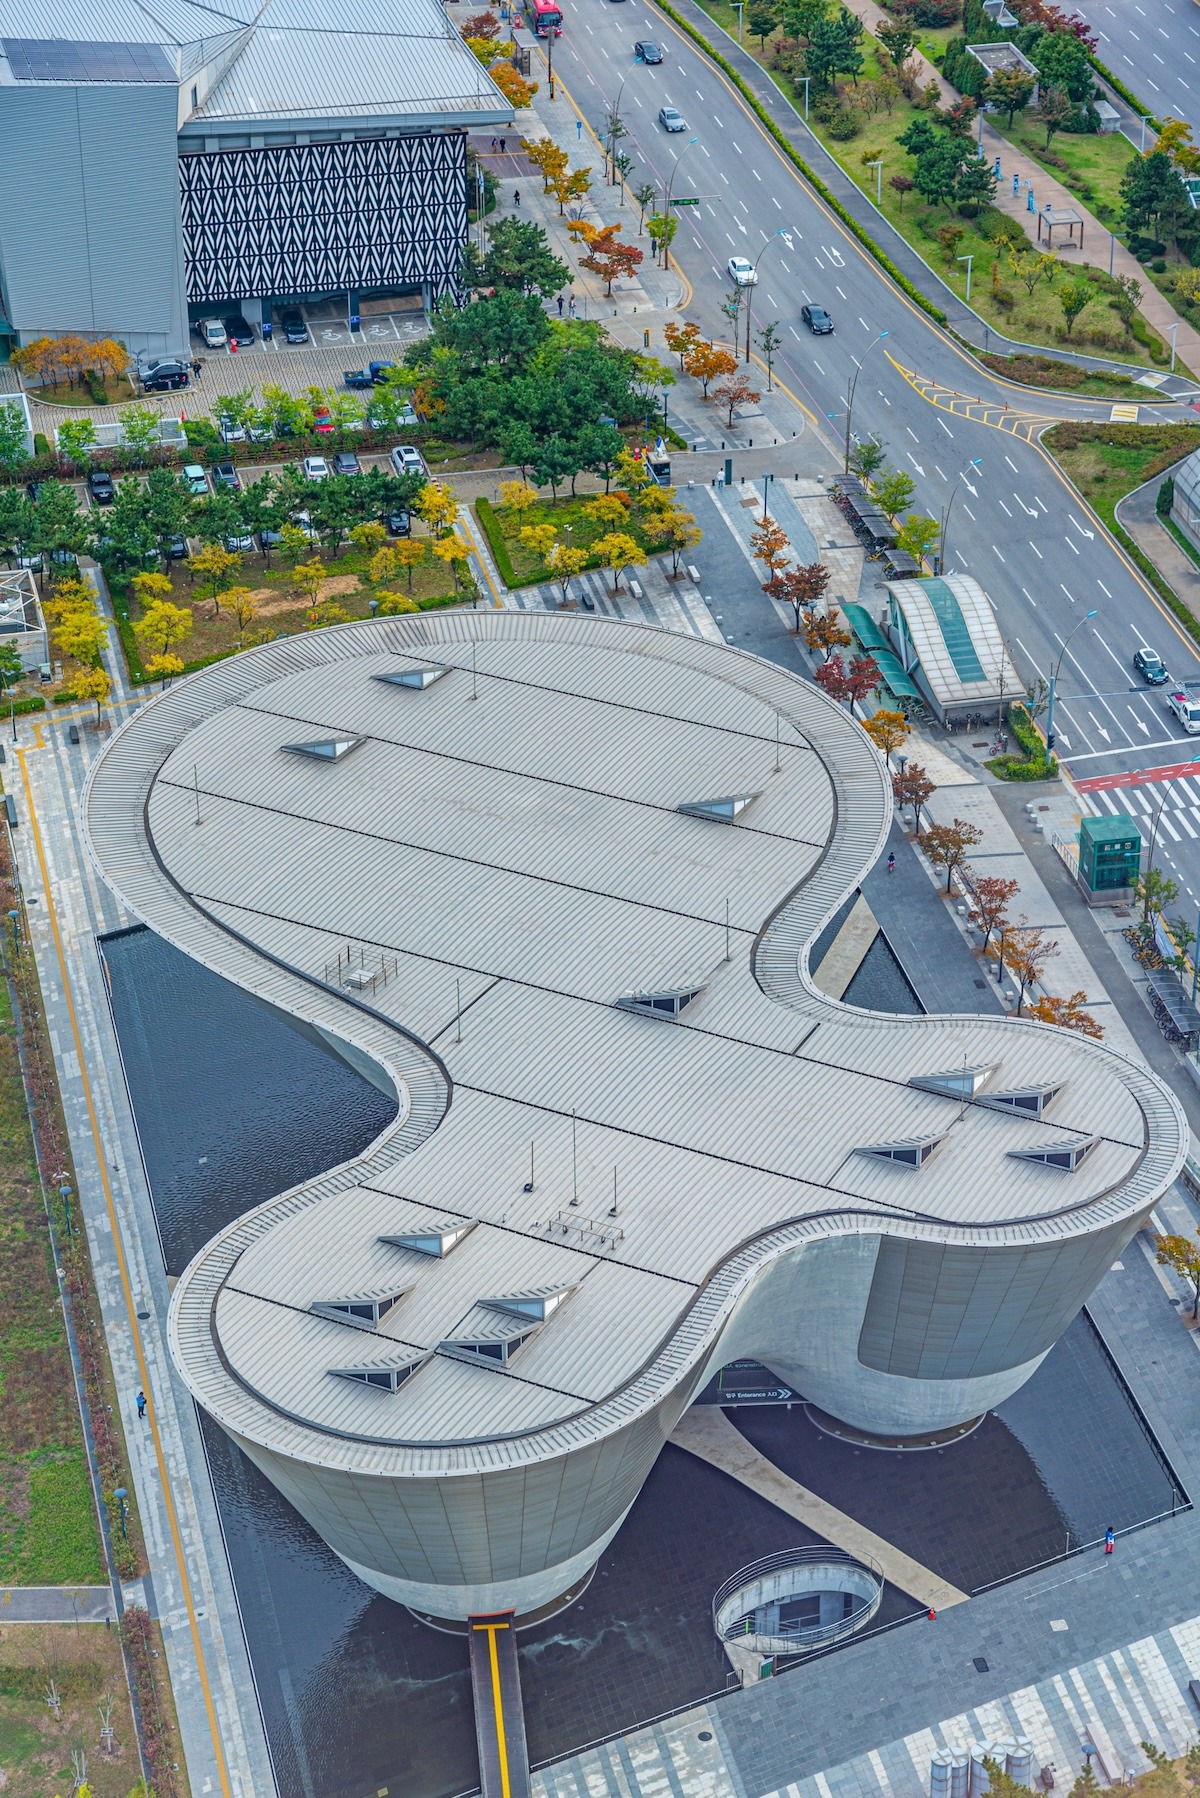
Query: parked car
x=1150, y=667
x=230, y=432
x=357, y=378
x=316, y=468
x=407, y=460
x=322, y=421
x=261, y=433
x=239, y=544
x=405, y=416
x=379, y=372
x=645, y=51
x=163, y=375
x=670, y=120
x=294, y=328
x=346, y=462
x=398, y=523
x=224, y=474
x=100, y=486
x=269, y=540
x=742, y=272
x=213, y=333
x=195, y=479
x=177, y=548
x=817, y=320
x=239, y=330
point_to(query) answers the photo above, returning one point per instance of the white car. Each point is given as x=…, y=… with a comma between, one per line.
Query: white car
x=316, y=468
x=741, y=272
x=213, y=333
x=231, y=433
x=407, y=460
x=195, y=479
x=1184, y=701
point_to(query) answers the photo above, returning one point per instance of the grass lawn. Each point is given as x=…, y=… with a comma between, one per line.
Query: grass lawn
x=1094, y=166
x=998, y=298
x=1046, y=371
x=574, y=526
x=48, y=1532
x=1108, y=461
x=116, y=393
x=84, y=1661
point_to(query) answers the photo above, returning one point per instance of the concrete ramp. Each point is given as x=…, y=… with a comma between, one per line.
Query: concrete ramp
x=499, y=1718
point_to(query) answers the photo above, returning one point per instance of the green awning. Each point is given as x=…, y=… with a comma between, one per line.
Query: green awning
x=894, y=677
x=865, y=629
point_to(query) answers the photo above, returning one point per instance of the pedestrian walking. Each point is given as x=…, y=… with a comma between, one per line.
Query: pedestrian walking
x=141, y=1402
x=571, y=307
x=1110, y=1540
x=516, y=196
x=196, y=367
x=560, y=305
x=504, y=146
x=892, y=862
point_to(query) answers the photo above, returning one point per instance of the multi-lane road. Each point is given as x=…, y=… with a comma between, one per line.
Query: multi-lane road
x=1018, y=527
x=1154, y=49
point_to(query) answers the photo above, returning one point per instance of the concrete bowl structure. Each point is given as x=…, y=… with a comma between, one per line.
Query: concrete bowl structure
x=552, y=881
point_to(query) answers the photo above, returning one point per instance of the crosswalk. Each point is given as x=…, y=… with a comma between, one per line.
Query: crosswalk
x=677, y=607
x=1176, y=803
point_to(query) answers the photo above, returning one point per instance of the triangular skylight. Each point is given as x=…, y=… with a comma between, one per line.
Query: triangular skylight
x=537, y=1305
x=909, y=1154
x=496, y=1348
x=325, y=749
x=1026, y=1101
x=420, y=678
x=437, y=1240
x=1066, y=1155
x=725, y=810
x=959, y=1083
x=363, y=1312
x=386, y=1377
x=667, y=1002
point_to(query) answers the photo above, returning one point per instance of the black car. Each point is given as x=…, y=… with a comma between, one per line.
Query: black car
x=269, y=539
x=817, y=320
x=225, y=474
x=177, y=548
x=344, y=462
x=646, y=52
x=163, y=376
x=1150, y=667
x=100, y=486
x=398, y=523
x=379, y=372
x=357, y=378
x=238, y=329
x=294, y=327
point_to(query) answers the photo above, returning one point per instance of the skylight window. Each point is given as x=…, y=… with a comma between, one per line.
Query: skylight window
x=667, y=1003
x=1027, y=1101
x=538, y=1305
x=906, y=1154
x=385, y=1378
x=437, y=1240
x=959, y=1083
x=725, y=810
x=363, y=1313
x=325, y=749
x=1066, y=1155
x=493, y=1350
x=418, y=678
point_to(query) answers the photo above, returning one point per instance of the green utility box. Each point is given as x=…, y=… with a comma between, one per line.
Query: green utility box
x=1110, y=853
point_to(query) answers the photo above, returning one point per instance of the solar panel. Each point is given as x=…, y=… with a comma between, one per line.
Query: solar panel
x=63, y=59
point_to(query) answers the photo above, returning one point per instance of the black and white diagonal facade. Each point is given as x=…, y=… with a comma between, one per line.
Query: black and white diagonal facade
x=366, y=213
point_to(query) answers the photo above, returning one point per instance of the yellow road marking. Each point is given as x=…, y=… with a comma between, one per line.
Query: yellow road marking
x=464, y=520
x=497, y=1702
x=123, y=1270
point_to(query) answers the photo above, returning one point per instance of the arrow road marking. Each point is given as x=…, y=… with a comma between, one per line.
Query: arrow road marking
x=915, y=464
x=1080, y=528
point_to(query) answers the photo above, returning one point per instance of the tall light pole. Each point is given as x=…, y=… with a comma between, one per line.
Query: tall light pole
x=1054, y=681
x=667, y=208
x=614, y=119
x=942, y=557
x=750, y=285
x=850, y=398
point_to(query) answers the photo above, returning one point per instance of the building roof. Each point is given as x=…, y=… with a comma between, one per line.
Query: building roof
x=525, y=860
x=953, y=629
x=1002, y=56
x=254, y=63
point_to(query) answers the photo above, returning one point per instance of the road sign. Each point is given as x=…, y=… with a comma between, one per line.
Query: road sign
x=676, y=201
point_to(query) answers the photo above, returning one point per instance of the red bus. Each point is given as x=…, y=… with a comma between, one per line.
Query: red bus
x=547, y=18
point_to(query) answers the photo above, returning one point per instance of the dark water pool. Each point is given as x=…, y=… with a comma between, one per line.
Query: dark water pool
x=233, y=1105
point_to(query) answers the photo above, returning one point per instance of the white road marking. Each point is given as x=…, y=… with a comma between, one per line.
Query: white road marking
x=1037, y=552
x=1012, y=464
x=1029, y=597
x=1073, y=545
x=1104, y=589
x=1004, y=508
x=1070, y=596
x=839, y=290
x=997, y=552
x=969, y=513
x=912, y=433
x=945, y=427
x=862, y=321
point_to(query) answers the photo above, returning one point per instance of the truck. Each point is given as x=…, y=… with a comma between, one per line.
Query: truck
x=1184, y=701
x=547, y=18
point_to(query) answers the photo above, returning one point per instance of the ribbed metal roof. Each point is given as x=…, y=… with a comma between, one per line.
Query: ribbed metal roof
x=506, y=848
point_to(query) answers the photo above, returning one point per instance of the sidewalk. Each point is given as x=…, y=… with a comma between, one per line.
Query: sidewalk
x=1136, y=512
x=57, y=1604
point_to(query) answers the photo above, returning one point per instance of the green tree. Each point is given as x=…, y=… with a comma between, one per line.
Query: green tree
x=1053, y=110
x=519, y=258
x=762, y=20
x=866, y=457
x=11, y=670
x=1009, y=91
x=1182, y=1254
x=1154, y=891
x=802, y=17
x=556, y=461
x=1063, y=62
x=769, y=342
x=140, y=427
x=1153, y=194
x=76, y=440
x=974, y=186
x=14, y=448
x=894, y=492
x=899, y=41
x=935, y=175
x=643, y=198
x=917, y=535
x=57, y=520
x=1073, y=296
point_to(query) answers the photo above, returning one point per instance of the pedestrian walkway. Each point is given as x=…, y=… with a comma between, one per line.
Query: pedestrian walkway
x=667, y=605
x=57, y=1604
x=1137, y=514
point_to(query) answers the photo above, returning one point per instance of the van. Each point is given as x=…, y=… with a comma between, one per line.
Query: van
x=406, y=460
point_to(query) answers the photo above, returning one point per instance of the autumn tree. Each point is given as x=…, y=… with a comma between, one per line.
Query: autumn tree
x=242, y=607
x=516, y=90
x=862, y=677
x=82, y=635
x=517, y=497
x=149, y=587
x=539, y=539
x=608, y=257
x=609, y=509
x=571, y=186
x=991, y=894
x=833, y=679
x=674, y=530
x=368, y=536
x=772, y=547
x=1183, y=1254
x=163, y=668
x=913, y=787
x=682, y=339
x=618, y=551
x=1068, y=1014
x=825, y=632
x=887, y=730
x=705, y=362
x=409, y=554
x=90, y=683
x=803, y=587
x=1027, y=950
x=309, y=578
x=1009, y=91
x=212, y=562
x=736, y=391
x=546, y=156
x=1052, y=111
x=565, y=562
x=452, y=551
x=437, y=506
x=161, y=626
x=948, y=845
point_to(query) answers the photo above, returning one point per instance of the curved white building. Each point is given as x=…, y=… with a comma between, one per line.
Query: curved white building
x=553, y=880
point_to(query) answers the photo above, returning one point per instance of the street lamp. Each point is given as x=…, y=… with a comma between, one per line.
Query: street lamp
x=1173, y=329
x=1054, y=681
x=968, y=260
x=667, y=207
x=610, y=136
x=741, y=13
x=750, y=285
x=943, y=559
x=877, y=165
x=850, y=397
x=122, y=1496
